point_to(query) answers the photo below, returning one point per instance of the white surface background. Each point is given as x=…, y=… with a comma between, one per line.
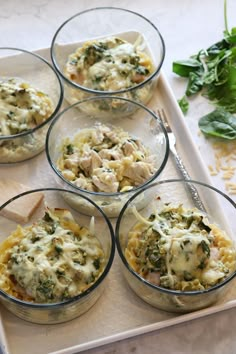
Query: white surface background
x=187, y=26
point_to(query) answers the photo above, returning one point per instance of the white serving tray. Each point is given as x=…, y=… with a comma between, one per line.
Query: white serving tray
x=119, y=313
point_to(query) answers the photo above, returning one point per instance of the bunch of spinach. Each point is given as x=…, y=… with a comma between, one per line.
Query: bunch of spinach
x=212, y=71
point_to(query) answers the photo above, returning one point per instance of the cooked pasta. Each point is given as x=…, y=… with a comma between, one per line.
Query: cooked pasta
x=177, y=248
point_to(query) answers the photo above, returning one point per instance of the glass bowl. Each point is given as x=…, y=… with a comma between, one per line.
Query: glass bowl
x=91, y=63
x=31, y=94
x=178, y=252
x=65, y=256
x=122, y=155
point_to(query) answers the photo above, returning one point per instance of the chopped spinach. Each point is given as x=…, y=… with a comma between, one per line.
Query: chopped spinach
x=142, y=70
x=74, y=61
x=93, y=54
x=47, y=217
x=10, y=114
x=45, y=289
x=186, y=242
x=187, y=276
x=203, y=226
x=58, y=248
x=152, y=217
x=202, y=264
x=205, y=248
x=134, y=60
x=156, y=260
x=97, y=263
x=69, y=149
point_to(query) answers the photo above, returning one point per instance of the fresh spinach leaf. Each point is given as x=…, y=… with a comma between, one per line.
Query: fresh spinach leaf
x=195, y=84
x=231, y=38
x=219, y=123
x=185, y=67
x=184, y=104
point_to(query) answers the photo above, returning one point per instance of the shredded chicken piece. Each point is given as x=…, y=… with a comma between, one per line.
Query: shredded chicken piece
x=106, y=159
x=128, y=148
x=98, y=135
x=84, y=183
x=112, y=135
x=72, y=162
x=110, y=154
x=105, y=180
x=139, y=172
x=95, y=160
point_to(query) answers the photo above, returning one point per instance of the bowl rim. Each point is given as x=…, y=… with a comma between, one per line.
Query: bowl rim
x=61, y=91
x=98, y=92
x=114, y=194
x=141, y=279
x=95, y=285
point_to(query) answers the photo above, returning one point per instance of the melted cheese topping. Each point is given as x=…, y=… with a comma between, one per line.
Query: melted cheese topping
x=110, y=64
x=22, y=107
x=179, y=249
x=50, y=261
x=105, y=159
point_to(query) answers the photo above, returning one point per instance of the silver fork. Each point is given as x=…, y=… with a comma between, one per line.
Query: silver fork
x=172, y=142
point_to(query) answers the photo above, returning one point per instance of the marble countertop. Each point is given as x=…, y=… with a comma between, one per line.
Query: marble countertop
x=187, y=26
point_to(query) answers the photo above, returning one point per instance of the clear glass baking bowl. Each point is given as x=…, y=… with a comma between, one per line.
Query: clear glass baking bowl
x=55, y=198
x=143, y=124
x=29, y=67
x=220, y=210
x=100, y=23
